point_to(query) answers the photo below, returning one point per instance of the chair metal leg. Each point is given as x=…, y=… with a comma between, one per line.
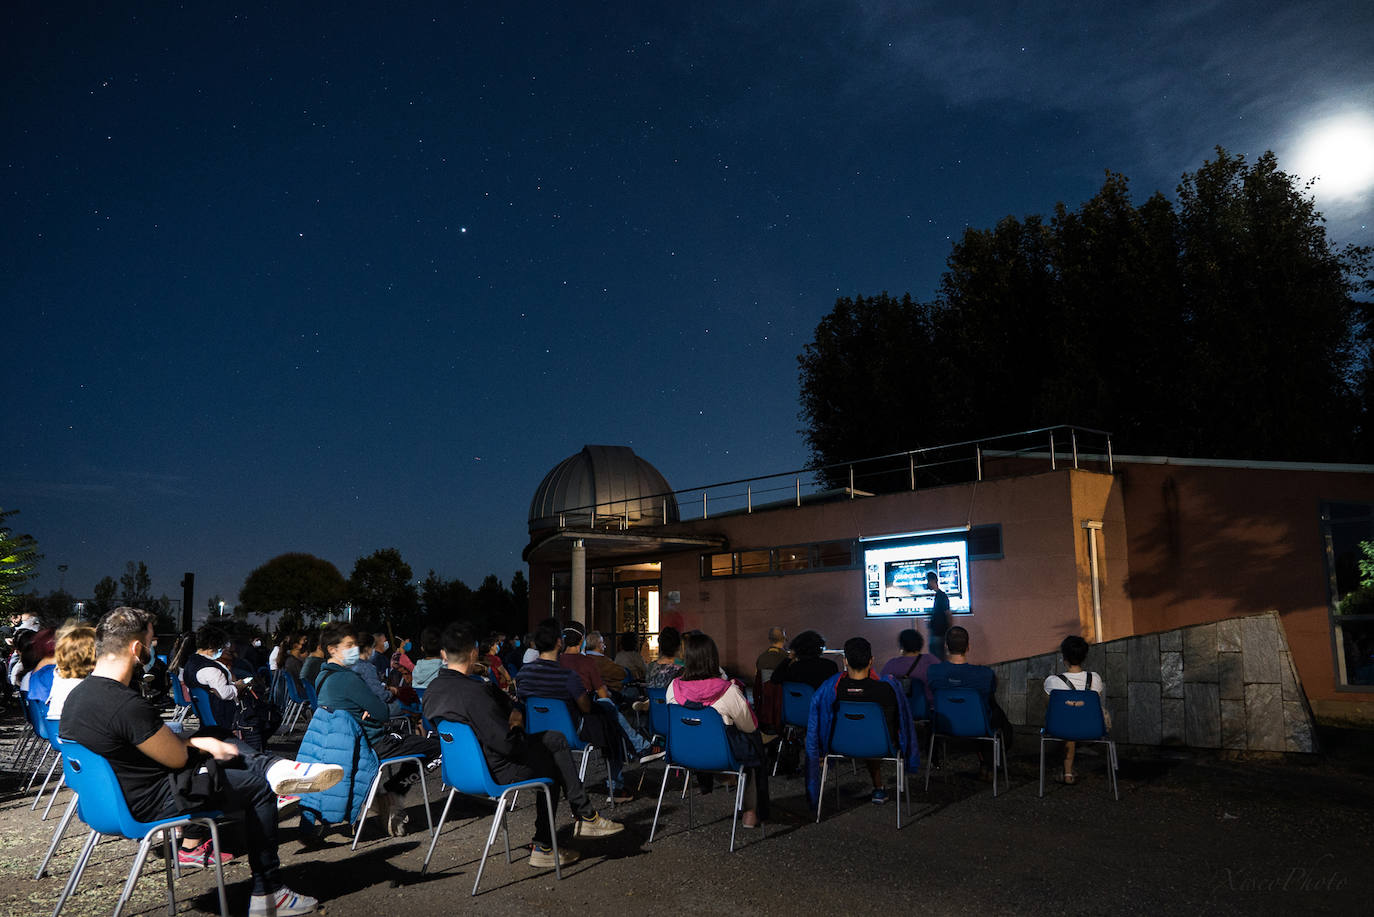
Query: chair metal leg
x=657, y=808
x=930, y=758
x=57, y=759
x=739, y=804
x=996, y=754
x=61, y=782
x=60, y=830
x=77, y=869
x=553, y=834
x=491, y=836
x=367, y=804
x=820, y=793
x=36, y=768
x=424, y=789
x=435, y=839
x=134, y=873
x=1041, y=794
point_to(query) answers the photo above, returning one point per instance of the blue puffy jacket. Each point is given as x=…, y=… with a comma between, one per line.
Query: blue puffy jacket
x=334, y=737
x=821, y=724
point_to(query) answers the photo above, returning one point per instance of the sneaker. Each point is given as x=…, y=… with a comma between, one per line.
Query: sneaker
x=620, y=794
x=879, y=796
x=281, y=903
x=596, y=826
x=199, y=856
x=396, y=818
x=542, y=857
x=640, y=705
x=286, y=803
x=295, y=777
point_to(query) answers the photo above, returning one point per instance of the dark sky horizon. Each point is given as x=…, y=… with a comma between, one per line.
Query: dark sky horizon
x=336, y=278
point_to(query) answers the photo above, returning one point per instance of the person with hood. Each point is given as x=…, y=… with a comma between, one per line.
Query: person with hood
x=701, y=683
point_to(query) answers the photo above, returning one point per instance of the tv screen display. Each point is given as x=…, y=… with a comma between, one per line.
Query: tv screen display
x=895, y=571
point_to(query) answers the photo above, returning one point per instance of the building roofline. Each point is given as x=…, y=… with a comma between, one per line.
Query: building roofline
x=1257, y=464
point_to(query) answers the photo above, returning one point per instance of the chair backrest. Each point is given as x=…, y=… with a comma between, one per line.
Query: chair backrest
x=179, y=691
x=294, y=692
x=920, y=704
x=860, y=731
x=796, y=702
x=200, y=700
x=102, y=805
x=551, y=714
x=37, y=712
x=1075, y=716
x=463, y=765
x=658, y=710
x=960, y=712
x=311, y=697
x=696, y=739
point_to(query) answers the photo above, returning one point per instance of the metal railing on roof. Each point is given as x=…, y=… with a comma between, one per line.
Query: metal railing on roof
x=930, y=466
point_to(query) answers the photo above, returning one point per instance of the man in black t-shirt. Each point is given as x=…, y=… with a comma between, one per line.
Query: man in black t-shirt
x=859, y=683
x=939, y=617
x=113, y=720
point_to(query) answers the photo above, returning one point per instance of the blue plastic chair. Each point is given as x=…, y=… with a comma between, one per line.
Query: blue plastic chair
x=295, y=701
x=26, y=745
x=658, y=726
x=1076, y=716
x=697, y=743
x=425, y=724
x=383, y=765
x=860, y=731
x=919, y=703
x=179, y=697
x=200, y=700
x=36, y=712
x=465, y=771
x=551, y=714
x=960, y=714
x=102, y=807
x=796, y=708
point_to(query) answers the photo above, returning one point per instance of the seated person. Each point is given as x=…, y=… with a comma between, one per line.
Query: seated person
x=429, y=664
x=1074, y=649
x=457, y=695
x=340, y=688
x=662, y=671
x=612, y=672
x=205, y=669
x=312, y=659
x=701, y=682
x=957, y=672
x=805, y=662
x=40, y=666
x=857, y=683
x=496, y=669
x=365, y=670
x=547, y=677
x=774, y=655
x=629, y=657
x=912, y=664
x=75, y=656
x=587, y=669
x=113, y=720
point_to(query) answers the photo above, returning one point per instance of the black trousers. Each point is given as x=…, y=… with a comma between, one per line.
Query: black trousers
x=391, y=745
x=546, y=754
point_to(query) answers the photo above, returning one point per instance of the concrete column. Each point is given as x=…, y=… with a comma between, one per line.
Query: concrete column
x=579, y=581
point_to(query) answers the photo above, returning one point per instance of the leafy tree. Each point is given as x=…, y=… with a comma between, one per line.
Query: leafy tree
x=445, y=600
x=1224, y=324
x=295, y=582
x=520, y=597
x=380, y=590
x=493, y=606
x=104, y=594
x=134, y=585
x=19, y=559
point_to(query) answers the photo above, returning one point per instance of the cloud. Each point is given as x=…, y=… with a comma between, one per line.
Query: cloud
x=101, y=486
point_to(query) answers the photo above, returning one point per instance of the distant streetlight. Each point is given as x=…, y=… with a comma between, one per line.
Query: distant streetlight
x=81, y=611
x=221, y=608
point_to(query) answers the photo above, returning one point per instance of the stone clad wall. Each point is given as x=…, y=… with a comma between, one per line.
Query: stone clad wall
x=1230, y=684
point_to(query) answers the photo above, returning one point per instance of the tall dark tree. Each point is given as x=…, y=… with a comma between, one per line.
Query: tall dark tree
x=493, y=607
x=297, y=582
x=135, y=585
x=381, y=591
x=103, y=596
x=520, y=596
x=1223, y=325
x=445, y=600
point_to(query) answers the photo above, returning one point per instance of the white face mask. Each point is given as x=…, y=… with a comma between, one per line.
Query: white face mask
x=386, y=645
x=350, y=655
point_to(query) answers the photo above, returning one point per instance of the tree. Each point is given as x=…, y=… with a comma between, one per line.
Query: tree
x=445, y=600
x=19, y=559
x=1224, y=324
x=295, y=582
x=520, y=597
x=381, y=591
x=493, y=607
x=134, y=585
x=104, y=594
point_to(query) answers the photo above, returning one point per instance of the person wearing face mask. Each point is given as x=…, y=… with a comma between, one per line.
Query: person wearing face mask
x=205, y=669
x=341, y=688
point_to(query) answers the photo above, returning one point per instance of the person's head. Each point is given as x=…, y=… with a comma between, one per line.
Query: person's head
x=364, y=641
x=669, y=641
x=380, y=642
x=808, y=645
x=956, y=640
x=44, y=642
x=492, y=645
x=123, y=631
x=910, y=640
x=699, y=657
x=573, y=635
x=75, y=651
x=429, y=642
x=548, y=636
x=339, y=643
x=932, y=582
x=858, y=653
x=458, y=644
x=1074, y=649
x=596, y=643
x=629, y=642
x=309, y=642
x=777, y=636
x=211, y=641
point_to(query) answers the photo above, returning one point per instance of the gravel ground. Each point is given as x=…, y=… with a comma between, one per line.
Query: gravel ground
x=1193, y=833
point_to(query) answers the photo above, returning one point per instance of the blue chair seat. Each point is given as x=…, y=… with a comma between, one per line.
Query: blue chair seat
x=860, y=731
x=697, y=743
x=552, y=714
x=959, y=713
x=796, y=709
x=1076, y=716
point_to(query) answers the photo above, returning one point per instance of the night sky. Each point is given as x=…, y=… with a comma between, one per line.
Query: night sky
x=337, y=277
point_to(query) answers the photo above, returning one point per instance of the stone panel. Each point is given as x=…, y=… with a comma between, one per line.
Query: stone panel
x=1228, y=636
x=1143, y=653
x=1117, y=707
x=1200, y=654
x=1144, y=714
x=1264, y=726
x=1230, y=672
x=1287, y=679
x=1172, y=721
x=1014, y=676
x=1261, y=645
x=1202, y=714
x=1297, y=726
x=1171, y=675
x=1035, y=706
x=1037, y=667
x=1232, y=724
x=1171, y=641
x=1114, y=672
x=1016, y=710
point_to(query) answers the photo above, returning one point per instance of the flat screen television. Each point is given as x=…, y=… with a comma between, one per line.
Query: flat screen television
x=895, y=569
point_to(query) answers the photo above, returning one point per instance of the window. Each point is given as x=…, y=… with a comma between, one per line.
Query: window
x=794, y=558
x=753, y=562
x=1345, y=526
x=985, y=542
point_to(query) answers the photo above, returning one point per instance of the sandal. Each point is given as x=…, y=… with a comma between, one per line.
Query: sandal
x=1066, y=778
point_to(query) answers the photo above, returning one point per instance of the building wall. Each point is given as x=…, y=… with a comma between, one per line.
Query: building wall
x=1211, y=543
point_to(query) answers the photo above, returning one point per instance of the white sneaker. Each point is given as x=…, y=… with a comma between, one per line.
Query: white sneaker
x=281, y=903
x=541, y=858
x=292, y=778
